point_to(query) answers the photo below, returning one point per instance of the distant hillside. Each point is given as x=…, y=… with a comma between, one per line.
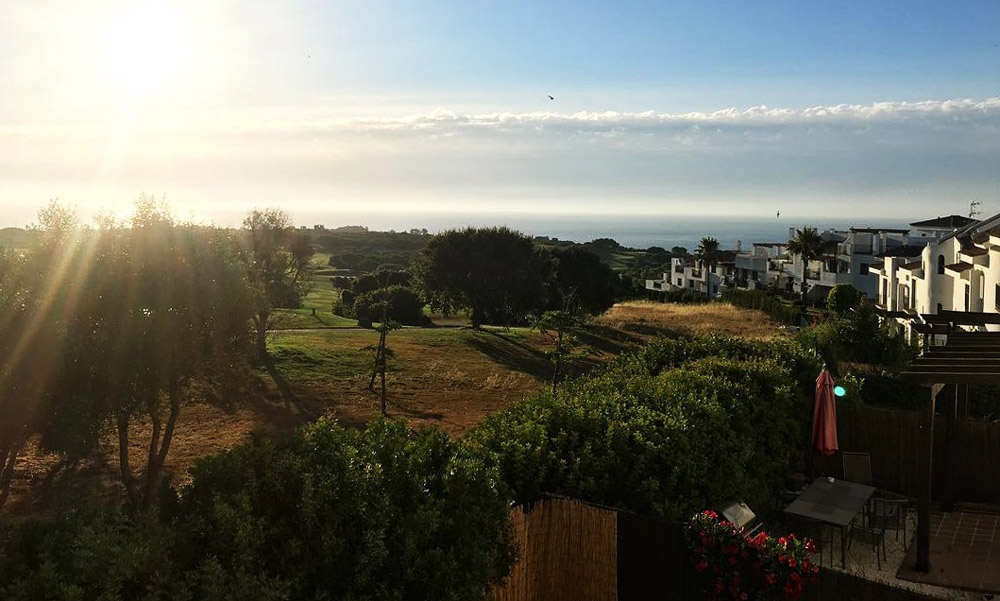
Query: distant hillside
x=13, y=237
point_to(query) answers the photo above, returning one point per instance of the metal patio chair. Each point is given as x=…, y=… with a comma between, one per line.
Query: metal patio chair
x=857, y=467
x=872, y=535
x=889, y=513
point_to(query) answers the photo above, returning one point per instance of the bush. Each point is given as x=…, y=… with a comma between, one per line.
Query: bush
x=338, y=513
x=330, y=513
x=858, y=336
x=732, y=565
x=779, y=310
x=842, y=298
x=663, y=432
x=405, y=306
x=85, y=554
x=685, y=296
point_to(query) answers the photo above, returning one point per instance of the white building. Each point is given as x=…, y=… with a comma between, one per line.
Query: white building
x=957, y=269
x=689, y=274
x=847, y=256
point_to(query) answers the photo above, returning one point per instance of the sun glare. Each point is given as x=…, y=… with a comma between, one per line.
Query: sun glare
x=147, y=47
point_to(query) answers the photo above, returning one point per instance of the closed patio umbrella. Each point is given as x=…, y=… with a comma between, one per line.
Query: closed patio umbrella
x=824, y=426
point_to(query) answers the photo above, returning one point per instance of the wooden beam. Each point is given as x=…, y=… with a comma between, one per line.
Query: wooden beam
x=955, y=377
x=924, y=502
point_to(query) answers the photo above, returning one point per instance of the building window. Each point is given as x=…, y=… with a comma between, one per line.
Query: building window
x=967, y=296
x=939, y=308
x=940, y=264
x=680, y=282
x=863, y=269
x=690, y=283
x=996, y=297
x=885, y=289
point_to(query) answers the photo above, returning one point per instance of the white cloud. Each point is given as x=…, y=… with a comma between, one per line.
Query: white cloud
x=912, y=155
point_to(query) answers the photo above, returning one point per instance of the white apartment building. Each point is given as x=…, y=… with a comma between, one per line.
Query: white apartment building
x=846, y=259
x=688, y=274
x=957, y=269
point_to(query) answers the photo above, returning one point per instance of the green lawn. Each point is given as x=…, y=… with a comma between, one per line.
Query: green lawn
x=319, y=297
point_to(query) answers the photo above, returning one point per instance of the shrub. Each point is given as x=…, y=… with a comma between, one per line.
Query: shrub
x=759, y=299
x=85, y=554
x=661, y=433
x=404, y=307
x=732, y=565
x=337, y=513
x=858, y=336
x=842, y=298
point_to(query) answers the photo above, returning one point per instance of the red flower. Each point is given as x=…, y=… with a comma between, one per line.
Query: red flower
x=701, y=566
x=733, y=561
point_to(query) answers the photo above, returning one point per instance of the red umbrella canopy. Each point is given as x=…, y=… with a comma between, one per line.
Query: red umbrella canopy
x=824, y=427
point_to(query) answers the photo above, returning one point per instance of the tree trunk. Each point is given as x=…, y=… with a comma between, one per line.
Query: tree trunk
x=128, y=479
x=260, y=322
x=9, y=460
x=159, y=447
x=475, y=318
x=805, y=265
x=555, y=366
x=383, y=382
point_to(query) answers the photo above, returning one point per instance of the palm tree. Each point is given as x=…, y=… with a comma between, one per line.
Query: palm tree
x=808, y=244
x=708, y=255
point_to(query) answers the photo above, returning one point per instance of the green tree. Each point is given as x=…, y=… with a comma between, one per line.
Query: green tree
x=161, y=321
x=386, y=324
x=808, y=244
x=561, y=324
x=708, y=254
x=36, y=288
x=404, y=306
x=494, y=273
x=842, y=298
x=278, y=265
x=583, y=283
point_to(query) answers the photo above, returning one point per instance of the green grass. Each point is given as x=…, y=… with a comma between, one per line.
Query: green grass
x=310, y=357
x=298, y=319
x=320, y=297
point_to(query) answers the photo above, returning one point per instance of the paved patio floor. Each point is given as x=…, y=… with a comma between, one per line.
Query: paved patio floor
x=964, y=553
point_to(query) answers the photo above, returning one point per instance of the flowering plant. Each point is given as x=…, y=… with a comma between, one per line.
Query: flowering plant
x=748, y=568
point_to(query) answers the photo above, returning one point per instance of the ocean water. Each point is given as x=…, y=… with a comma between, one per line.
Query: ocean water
x=632, y=231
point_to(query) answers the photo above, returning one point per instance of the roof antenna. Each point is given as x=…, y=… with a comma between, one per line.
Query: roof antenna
x=974, y=209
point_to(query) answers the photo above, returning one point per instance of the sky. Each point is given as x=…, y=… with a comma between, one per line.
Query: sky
x=344, y=111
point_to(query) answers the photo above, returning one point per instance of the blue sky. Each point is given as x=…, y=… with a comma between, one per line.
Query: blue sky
x=882, y=109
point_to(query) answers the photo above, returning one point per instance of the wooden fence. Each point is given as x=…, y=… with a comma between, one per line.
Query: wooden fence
x=893, y=439
x=569, y=550
x=566, y=550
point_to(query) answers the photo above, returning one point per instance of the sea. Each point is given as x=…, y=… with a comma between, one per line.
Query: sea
x=639, y=232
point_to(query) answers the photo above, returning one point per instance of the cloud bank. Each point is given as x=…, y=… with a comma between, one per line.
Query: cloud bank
x=885, y=159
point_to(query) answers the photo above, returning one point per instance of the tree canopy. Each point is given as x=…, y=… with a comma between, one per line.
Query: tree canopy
x=277, y=261
x=808, y=244
x=494, y=273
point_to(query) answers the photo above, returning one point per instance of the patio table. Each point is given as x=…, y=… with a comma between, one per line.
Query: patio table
x=835, y=503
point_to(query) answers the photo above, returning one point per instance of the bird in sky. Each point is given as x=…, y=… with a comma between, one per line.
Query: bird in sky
x=550, y=97
x=779, y=215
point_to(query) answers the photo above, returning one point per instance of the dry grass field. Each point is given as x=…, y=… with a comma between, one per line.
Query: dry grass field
x=449, y=377
x=713, y=318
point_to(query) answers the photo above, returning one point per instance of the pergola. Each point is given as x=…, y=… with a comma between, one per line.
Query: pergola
x=966, y=358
